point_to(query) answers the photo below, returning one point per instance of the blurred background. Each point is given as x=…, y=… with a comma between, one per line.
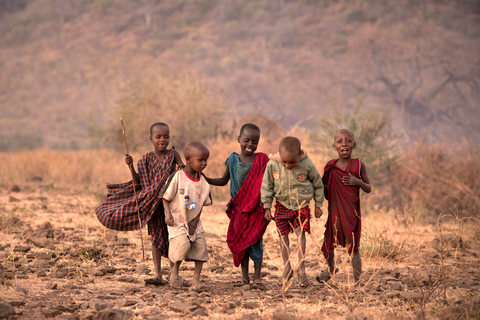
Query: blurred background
x=403, y=75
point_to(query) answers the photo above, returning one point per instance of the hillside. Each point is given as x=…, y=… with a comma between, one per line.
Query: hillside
x=64, y=64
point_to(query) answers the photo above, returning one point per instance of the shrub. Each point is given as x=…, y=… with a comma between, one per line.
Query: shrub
x=193, y=110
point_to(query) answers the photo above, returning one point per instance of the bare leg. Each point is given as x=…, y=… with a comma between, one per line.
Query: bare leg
x=157, y=261
x=357, y=267
x=301, y=252
x=196, y=273
x=331, y=261
x=258, y=271
x=284, y=248
x=174, y=273
x=244, y=265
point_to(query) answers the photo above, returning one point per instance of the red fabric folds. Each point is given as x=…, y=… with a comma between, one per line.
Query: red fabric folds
x=344, y=221
x=247, y=222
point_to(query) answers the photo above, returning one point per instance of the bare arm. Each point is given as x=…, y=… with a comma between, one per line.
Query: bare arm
x=168, y=214
x=178, y=160
x=363, y=183
x=220, y=181
x=129, y=162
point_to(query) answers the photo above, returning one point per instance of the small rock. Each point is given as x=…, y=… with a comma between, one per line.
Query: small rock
x=50, y=313
x=40, y=242
x=251, y=305
x=6, y=310
x=13, y=199
x=66, y=316
x=282, y=315
x=19, y=248
x=45, y=225
x=36, y=304
x=183, y=307
x=52, y=286
x=59, y=273
x=98, y=305
x=16, y=188
x=142, y=269
x=113, y=314
x=411, y=295
x=129, y=279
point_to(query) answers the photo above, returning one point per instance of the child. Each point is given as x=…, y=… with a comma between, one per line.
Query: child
x=292, y=179
x=247, y=223
x=343, y=178
x=119, y=210
x=183, y=198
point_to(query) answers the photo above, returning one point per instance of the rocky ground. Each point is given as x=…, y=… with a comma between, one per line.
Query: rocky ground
x=57, y=261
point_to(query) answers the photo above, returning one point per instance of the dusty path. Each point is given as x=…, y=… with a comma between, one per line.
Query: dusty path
x=57, y=261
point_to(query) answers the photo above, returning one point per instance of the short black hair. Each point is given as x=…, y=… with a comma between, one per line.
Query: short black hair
x=158, y=124
x=190, y=146
x=291, y=144
x=249, y=126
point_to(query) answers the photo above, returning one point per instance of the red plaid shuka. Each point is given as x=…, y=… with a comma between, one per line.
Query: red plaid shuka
x=119, y=210
x=286, y=218
x=344, y=221
x=247, y=216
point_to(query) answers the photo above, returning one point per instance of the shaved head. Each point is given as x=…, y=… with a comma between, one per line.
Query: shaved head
x=344, y=131
x=194, y=147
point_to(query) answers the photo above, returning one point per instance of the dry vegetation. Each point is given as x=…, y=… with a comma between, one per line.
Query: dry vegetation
x=65, y=64
x=420, y=253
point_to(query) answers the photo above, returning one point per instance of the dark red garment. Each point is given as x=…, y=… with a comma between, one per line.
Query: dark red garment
x=119, y=210
x=247, y=216
x=288, y=220
x=344, y=221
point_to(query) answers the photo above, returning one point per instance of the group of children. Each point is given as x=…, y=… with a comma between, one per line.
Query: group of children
x=168, y=196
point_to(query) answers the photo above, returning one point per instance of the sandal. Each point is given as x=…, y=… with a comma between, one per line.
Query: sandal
x=176, y=284
x=324, y=276
x=156, y=281
x=240, y=282
x=303, y=281
x=258, y=285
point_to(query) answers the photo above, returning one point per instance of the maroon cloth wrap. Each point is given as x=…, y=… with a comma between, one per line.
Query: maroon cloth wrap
x=344, y=221
x=247, y=222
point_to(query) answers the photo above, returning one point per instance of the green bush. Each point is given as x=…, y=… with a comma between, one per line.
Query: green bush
x=375, y=136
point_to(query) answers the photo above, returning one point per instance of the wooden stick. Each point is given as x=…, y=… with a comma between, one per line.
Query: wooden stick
x=135, y=192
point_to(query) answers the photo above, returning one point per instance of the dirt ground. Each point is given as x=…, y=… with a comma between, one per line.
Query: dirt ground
x=57, y=261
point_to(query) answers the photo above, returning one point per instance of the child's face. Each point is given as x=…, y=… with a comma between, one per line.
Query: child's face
x=249, y=141
x=344, y=144
x=197, y=161
x=160, y=138
x=289, y=159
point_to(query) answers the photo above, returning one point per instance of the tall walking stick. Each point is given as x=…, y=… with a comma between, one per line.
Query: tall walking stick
x=134, y=191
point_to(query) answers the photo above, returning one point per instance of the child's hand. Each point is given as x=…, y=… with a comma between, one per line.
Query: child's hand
x=169, y=219
x=318, y=212
x=128, y=159
x=180, y=166
x=268, y=215
x=350, y=181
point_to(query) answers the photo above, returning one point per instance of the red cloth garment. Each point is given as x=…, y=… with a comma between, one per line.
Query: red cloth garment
x=247, y=222
x=344, y=221
x=286, y=218
x=119, y=210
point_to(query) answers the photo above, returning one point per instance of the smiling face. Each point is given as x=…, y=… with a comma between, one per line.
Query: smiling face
x=248, y=140
x=160, y=138
x=344, y=143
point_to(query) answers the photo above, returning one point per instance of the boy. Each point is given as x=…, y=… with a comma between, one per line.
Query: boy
x=343, y=178
x=292, y=179
x=183, y=198
x=247, y=223
x=119, y=210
